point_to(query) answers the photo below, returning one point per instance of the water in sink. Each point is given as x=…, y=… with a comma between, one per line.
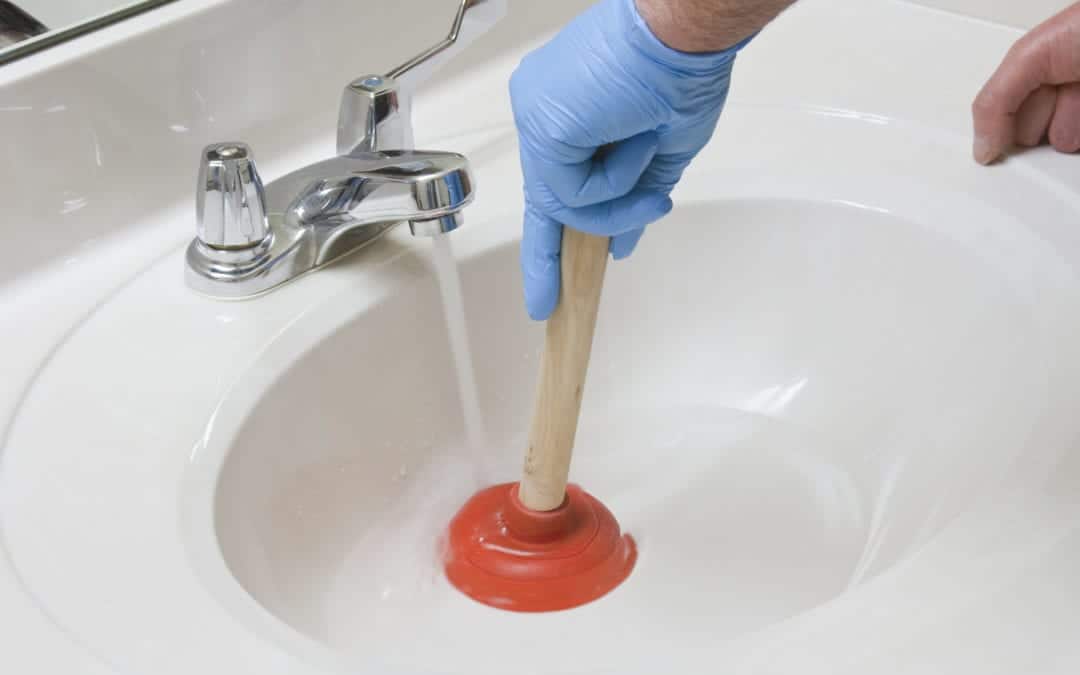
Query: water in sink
x=725, y=559
x=774, y=478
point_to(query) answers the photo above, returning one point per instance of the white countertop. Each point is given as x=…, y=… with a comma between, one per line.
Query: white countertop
x=93, y=213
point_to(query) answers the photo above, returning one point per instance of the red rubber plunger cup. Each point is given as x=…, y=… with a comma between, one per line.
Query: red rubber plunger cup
x=505, y=555
x=542, y=545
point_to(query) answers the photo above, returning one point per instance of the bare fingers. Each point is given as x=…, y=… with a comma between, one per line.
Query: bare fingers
x=1012, y=106
x=1034, y=117
x=1065, y=127
x=997, y=107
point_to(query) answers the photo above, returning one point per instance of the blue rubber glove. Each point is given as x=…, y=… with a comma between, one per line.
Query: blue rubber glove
x=608, y=118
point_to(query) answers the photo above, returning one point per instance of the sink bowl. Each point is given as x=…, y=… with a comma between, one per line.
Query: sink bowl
x=794, y=390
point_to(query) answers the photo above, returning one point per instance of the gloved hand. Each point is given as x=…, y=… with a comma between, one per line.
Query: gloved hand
x=608, y=118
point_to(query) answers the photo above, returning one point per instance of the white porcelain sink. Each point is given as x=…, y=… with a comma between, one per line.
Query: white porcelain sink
x=832, y=397
x=796, y=389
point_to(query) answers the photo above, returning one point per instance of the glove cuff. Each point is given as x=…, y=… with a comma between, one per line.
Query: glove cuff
x=702, y=64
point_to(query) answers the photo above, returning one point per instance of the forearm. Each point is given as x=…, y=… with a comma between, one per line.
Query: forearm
x=707, y=25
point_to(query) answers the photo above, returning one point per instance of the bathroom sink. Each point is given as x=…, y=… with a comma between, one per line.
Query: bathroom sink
x=795, y=389
x=831, y=396
x=807, y=390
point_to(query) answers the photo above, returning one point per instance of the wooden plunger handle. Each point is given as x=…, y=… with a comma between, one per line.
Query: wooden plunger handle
x=562, y=371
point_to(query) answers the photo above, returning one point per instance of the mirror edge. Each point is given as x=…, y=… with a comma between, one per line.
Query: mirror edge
x=54, y=37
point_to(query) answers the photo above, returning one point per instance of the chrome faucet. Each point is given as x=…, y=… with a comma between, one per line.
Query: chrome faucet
x=251, y=238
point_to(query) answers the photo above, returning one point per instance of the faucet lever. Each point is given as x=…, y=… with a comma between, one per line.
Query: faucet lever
x=445, y=43
x=375, y=113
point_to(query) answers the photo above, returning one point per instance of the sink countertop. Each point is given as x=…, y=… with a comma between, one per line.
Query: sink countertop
x=1025, y=15
x=802, y=61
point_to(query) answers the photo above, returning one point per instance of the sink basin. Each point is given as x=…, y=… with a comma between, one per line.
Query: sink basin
x=789, y=397
x=832, y=397
x=797, y=390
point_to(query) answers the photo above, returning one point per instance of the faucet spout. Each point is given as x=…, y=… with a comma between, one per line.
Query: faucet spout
x=367, y=188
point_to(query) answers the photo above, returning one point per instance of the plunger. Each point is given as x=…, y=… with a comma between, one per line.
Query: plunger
x=541, y=545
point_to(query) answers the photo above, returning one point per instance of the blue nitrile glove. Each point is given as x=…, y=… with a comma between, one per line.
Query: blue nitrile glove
x=606, y=82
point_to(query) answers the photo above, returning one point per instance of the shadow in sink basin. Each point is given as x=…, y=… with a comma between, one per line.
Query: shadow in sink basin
x=786, y=400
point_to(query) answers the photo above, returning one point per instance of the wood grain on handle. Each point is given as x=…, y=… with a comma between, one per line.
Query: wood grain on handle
x=563, y=366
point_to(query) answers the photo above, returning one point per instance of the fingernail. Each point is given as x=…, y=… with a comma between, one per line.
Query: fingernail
x=983, y=151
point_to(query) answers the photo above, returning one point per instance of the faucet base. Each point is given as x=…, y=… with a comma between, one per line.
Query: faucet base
x=288, y=253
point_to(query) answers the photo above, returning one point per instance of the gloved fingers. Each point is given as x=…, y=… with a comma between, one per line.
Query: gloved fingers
x=541, y=243
x=629, y=212
x=601, y=176
x=622, y=245
x=664, y=171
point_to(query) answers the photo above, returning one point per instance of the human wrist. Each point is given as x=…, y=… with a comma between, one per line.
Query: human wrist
x=706, y=26
x=644, y=40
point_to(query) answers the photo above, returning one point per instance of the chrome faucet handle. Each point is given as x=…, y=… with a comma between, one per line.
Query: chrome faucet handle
x=376, y=112
x=233, y=238
x=230, y=207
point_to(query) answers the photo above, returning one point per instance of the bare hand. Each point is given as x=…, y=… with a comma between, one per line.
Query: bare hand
x=1035, y=94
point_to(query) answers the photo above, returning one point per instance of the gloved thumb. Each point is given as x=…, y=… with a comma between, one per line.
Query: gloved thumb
x=622, y=245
